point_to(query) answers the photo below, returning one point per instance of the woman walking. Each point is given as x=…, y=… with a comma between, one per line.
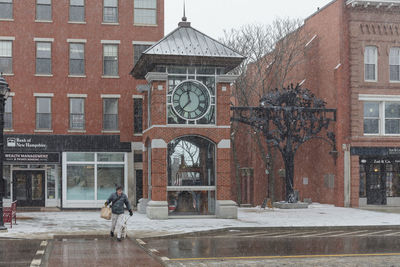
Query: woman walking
x=118, y=199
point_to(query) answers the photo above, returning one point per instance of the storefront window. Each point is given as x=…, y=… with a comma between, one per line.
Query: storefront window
x=108, y=178
x=51, y=182
x=110, y=157
x=80, y=156
x=80, y=182
x=381, y=175
x=7, y=179
x=93, y=176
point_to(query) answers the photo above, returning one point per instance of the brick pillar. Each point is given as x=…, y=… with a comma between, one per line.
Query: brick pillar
x=355, y=181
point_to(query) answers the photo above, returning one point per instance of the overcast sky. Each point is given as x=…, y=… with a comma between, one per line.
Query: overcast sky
x=212, y=17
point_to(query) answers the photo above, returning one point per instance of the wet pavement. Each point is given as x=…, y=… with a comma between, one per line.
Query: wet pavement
x=98, y=252
x=269, y=245
x=19, y=252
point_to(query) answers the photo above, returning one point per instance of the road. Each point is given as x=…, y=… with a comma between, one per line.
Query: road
x=357, y=246
x=308, y=247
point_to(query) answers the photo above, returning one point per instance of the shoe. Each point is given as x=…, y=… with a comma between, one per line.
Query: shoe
x=119, y=239
x=112, y=234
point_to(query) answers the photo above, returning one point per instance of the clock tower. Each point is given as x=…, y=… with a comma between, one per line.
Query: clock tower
x=186, y=117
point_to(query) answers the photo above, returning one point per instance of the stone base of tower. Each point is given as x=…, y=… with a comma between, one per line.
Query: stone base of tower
x=157, y=210
x=226, y=209
x=142, y=205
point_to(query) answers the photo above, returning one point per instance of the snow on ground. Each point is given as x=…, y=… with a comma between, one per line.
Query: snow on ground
x=47, y=224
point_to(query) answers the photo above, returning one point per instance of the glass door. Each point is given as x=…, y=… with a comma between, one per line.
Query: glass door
x=376, y=184
x=29, y=188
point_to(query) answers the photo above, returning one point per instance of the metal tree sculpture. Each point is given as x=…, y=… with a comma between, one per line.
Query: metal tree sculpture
x=288, y=118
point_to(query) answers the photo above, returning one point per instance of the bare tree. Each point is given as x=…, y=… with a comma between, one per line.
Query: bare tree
x=273, y=53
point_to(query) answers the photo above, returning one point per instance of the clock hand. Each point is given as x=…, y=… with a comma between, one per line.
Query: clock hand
x=188, y=94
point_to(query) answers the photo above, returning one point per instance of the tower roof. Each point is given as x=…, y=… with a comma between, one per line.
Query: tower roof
x=186, y=46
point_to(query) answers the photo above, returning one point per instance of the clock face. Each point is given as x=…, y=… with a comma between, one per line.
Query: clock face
x=191, y=100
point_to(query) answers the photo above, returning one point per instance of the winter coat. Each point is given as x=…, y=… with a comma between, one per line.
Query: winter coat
x=118, y=204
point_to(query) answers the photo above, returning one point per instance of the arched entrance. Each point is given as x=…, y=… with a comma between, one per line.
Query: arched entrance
x=191, y=176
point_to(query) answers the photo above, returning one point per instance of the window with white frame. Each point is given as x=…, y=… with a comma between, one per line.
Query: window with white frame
x=110, y=60
x=43, y=10
x=76, y=59
x=370, y=63
x=43, y=113
x=110, y=114
x=382, y=118
x=145, y=12
x=8, y=113
x=6, y=57
x=77, y=10
x=43, y=58
x=6, y=9
x=110, y=11
x=394, y=62
x=77, y=113
x=138, y=49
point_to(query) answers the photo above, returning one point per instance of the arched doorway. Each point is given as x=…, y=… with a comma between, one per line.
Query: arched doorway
x=191, y=176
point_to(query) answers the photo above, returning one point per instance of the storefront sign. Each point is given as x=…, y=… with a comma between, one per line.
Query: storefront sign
x=32, y=157
x=16, y=142
x=375, y=151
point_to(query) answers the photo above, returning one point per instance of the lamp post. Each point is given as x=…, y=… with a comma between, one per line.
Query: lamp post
x=4, y=92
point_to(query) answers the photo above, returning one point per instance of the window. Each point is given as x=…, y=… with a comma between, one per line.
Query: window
x=382, y=118
x=370, y=62
x=43, y=58
x=77, y=113
x=145, y=12
x=110, y=114
x=93, y=176
x=6, y=57
x=394, y=62
x=137, y=116
x=110, y=12
x=43, y=113
x=43, y=10
x=110, y=60
x=6, y=9
x=138, y=49
x=371, y=118
x=8, y=113
x=76, y=59
x=77, y=10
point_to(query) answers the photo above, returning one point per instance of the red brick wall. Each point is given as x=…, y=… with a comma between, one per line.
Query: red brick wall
x=24, y=83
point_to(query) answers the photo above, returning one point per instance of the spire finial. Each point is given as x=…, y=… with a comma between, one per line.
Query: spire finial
x=184, y=22
x=184, y=18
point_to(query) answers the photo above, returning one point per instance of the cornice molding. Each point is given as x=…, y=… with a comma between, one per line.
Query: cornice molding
x=380, y=28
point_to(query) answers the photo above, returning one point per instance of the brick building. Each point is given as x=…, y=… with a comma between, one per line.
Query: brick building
x=187, y=125
x=352, y=61
x=74, y=117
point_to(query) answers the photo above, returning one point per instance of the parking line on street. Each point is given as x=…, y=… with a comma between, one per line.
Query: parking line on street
x=349, y=233
x=284, y=235
x=281, y=257
x=322, y=234
x=372, y=233
x=165, y=259
x=394, y=233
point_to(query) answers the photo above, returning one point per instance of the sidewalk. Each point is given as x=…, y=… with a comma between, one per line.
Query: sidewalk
x=45, y=225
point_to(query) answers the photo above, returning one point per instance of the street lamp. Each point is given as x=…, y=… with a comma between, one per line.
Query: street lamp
x=4, y=92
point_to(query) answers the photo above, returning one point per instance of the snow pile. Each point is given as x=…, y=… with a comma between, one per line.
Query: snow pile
x=46, y=224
